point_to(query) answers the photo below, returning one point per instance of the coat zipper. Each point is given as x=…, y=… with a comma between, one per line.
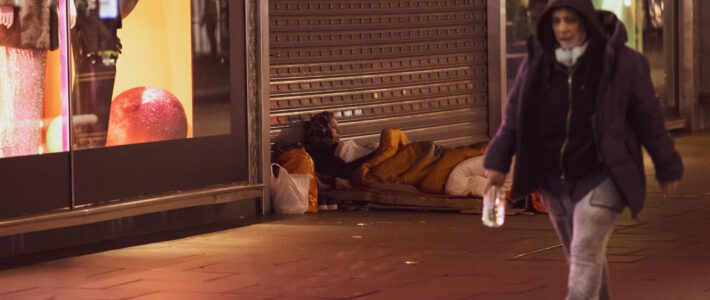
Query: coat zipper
x=570, y=73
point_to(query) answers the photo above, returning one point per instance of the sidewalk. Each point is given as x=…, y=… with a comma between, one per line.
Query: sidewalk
x=396, y=255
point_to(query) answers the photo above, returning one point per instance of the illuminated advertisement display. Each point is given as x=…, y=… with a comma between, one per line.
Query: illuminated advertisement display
x=142, y=71
x=103, y=101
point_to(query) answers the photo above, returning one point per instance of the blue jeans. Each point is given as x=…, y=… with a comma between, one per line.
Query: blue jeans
x=584, y=229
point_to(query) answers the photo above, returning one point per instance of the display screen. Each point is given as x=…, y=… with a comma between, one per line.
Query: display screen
x=157, y=72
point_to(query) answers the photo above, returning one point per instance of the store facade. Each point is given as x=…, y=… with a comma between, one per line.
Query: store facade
x=174, y=104
x=135, y=107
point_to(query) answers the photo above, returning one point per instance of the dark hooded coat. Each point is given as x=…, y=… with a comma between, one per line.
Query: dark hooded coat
x=627, y=114
x=35, y=25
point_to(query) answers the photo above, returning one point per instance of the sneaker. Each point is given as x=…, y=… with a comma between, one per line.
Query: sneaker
x=331, y=205
x=322, y=206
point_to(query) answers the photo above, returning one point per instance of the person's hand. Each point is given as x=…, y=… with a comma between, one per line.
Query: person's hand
x=668, y=187
x=72, y=14
x=493, y=178
x=7, y=16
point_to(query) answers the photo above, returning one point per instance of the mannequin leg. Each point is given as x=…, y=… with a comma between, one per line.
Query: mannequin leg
x=93, y=89
x=22, y=78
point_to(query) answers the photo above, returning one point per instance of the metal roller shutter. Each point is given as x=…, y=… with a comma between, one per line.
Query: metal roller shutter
x=419, y=65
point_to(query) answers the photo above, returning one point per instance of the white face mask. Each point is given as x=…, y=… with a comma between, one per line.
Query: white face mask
x=569, y=57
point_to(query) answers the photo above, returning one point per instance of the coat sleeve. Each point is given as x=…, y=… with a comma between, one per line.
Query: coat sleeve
x=502, y=148
x=647, y=120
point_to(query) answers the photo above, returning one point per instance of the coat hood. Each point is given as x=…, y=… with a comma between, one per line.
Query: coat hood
x=601, y=25
x=612, y=29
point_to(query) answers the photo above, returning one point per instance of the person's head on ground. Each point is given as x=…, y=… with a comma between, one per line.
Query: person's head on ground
x=322, y=128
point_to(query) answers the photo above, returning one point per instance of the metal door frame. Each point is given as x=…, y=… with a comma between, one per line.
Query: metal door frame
x=497, y=92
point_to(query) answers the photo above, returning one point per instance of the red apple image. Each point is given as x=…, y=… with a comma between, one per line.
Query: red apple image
x=145, y=114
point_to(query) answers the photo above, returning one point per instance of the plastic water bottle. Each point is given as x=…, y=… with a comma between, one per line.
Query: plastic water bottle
x=493, y=207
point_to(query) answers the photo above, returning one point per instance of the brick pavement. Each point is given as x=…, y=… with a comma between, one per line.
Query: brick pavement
x=394, y=255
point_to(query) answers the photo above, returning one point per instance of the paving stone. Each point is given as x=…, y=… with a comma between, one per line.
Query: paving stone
x=625, y=258
x=622, y=250
x=50, y=276
x=313, y=287
x=454, y=287
x=158, y=275
x=193, y=296
x=70, y=293
x=15, y=288
x=220, y=285
x=395, y=255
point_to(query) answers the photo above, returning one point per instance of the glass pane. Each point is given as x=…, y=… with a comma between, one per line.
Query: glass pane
x=211, y=79
x=521, y=17
x=33, y=106
x=653, y=46
x=644, y=21
x=149, y=71
x=181, y=47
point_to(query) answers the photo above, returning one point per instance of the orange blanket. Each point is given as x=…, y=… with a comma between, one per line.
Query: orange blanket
x=421, y=164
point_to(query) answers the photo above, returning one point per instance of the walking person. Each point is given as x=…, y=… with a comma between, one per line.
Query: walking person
x=581, y=108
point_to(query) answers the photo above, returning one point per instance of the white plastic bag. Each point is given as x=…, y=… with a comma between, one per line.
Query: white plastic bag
x=289, y=192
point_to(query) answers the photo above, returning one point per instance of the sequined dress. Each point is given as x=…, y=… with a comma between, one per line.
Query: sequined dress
x=22, y=73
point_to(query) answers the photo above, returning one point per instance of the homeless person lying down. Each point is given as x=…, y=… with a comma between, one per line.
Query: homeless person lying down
x=397, y=163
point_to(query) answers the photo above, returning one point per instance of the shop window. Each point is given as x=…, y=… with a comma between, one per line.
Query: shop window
x=160, y=100
x=645, y=25
x=521, y=19
x=644, y=21
x=124, y=98
x=33, y=109
x=149, y=71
